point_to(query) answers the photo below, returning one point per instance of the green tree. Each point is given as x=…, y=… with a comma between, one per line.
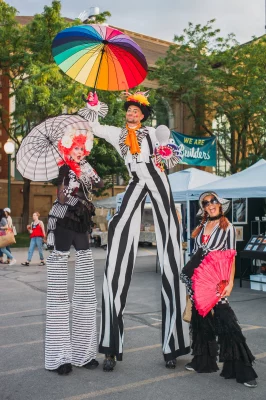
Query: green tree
x=218, y=79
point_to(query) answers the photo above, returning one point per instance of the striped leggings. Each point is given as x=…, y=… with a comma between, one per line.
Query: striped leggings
x=59, y=347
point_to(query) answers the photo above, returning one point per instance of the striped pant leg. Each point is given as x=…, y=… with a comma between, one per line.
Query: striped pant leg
x=123, y=236
x=84, y=330
x=57, y=338
x=175, y=332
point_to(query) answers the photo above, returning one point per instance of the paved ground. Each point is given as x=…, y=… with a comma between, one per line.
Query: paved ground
x=142, y=375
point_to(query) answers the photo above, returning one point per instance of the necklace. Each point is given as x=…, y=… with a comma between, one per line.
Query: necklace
x=214, y=218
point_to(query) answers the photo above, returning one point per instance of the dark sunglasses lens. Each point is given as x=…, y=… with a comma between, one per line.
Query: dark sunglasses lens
x=214, y=201
x=206, y=203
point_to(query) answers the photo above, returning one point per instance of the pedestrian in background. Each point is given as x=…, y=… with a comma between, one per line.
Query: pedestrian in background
x=3, y=227
x=7, y=212
x=37, y=235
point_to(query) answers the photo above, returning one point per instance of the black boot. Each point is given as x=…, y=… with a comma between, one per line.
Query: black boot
x=171, y=364
x=109, y=363
x=92, y=364
x=64, y=369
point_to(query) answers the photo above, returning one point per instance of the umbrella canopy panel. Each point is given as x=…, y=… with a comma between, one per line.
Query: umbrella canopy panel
x=100, y=57
x=38, y=156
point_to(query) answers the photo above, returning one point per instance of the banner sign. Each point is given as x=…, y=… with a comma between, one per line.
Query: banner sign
x=200, y=151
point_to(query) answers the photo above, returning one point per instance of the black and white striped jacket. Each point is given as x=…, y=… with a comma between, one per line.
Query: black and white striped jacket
x=220, y=239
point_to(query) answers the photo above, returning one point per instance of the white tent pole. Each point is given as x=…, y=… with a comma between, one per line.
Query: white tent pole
x=188, y=228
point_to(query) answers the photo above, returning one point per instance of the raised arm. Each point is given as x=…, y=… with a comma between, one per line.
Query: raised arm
x=91, y=113
x=109, y=133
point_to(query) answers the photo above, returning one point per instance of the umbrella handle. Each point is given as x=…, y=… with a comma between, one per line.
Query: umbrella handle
x=96, y=79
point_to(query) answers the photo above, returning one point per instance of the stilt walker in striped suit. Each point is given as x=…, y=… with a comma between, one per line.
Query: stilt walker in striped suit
x=139, y=147
x=69, y=222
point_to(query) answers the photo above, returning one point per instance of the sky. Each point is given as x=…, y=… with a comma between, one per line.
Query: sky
x=164, y=19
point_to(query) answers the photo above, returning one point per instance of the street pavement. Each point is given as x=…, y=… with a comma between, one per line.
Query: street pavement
x=142, y=374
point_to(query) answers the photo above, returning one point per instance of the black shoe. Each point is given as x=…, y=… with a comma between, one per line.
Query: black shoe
x=109, y=363
x=92, y=364
x=64, y=369
x=251, y=384
x=189, y=367
x=171, y=364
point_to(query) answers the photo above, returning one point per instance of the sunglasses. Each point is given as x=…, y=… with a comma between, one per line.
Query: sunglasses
x=206, y=203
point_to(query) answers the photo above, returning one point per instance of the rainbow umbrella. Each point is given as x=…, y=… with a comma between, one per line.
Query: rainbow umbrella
x=100, y=57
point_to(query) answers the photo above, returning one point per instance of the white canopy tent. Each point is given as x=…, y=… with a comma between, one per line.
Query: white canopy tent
x=248, y=183
x=189, y=179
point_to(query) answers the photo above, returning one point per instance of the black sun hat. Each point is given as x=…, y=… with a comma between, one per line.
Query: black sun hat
x=139, y=99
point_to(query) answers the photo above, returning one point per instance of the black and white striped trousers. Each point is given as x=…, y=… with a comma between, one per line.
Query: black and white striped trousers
x=123, y=237
x=59, y=348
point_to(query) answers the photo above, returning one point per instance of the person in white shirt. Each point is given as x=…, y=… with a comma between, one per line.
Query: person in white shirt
x=136, y=143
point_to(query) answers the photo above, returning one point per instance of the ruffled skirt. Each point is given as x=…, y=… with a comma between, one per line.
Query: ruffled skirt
x=231, y=346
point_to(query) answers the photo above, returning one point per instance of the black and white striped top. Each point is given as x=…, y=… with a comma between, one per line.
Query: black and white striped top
x=219, y=239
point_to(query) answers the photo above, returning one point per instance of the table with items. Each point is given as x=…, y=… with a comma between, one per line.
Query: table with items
x=255, y=250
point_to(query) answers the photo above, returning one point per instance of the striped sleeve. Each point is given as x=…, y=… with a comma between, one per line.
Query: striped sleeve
x=231, y=237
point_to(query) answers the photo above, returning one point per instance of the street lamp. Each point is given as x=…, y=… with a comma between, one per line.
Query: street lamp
x=9, y=148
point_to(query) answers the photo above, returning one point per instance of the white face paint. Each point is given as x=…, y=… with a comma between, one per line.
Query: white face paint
x=77, y=153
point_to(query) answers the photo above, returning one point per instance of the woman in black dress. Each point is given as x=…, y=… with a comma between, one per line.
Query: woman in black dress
x=216, y=233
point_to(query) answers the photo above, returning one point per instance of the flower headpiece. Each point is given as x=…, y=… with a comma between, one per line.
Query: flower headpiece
x=75, y=137
x=139, y=99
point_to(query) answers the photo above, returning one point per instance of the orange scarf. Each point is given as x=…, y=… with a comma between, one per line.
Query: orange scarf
x=131, y=139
